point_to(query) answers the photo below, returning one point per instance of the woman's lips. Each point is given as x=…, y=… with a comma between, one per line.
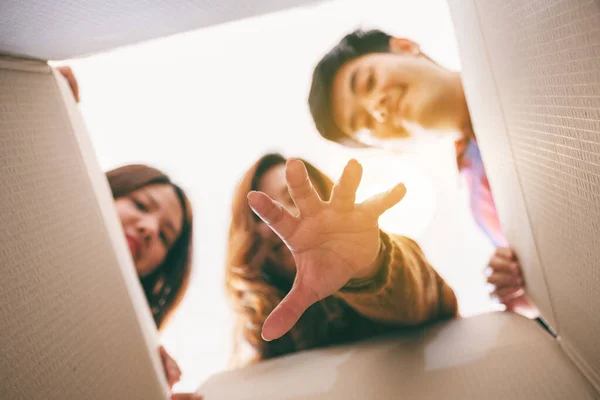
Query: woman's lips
x=134, y=246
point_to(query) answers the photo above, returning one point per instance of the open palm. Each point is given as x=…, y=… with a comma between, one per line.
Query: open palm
x=332, y=242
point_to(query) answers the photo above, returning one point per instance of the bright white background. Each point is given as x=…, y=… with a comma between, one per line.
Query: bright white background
x=204, y=105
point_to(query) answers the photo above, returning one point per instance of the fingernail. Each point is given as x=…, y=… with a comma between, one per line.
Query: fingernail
x=487, y=272
x=264, y=338
x=292, y=161
x=353, y=163
x=253, y=198
x=399, y=188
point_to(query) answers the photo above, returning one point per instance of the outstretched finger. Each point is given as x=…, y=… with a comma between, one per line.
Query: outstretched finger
x=273, y=214
x=344, y=191
x=301, y=189
x=382, y=202
x=288, y=312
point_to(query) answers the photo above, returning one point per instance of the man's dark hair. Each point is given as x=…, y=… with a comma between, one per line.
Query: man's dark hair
x=352, y=46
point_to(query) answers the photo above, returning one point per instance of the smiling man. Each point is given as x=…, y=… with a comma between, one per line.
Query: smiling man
x=372, y=88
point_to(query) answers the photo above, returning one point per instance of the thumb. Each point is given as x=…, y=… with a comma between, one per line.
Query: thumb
x=288, y=312
x=382, y=202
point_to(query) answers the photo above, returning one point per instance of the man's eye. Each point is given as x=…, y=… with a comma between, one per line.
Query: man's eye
x=370, y=82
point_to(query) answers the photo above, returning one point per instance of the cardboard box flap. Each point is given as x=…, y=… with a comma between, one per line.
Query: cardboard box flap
x=543, y=70
x=56, y=30
x=494, y=356
x=490, y=127
x=74, y=320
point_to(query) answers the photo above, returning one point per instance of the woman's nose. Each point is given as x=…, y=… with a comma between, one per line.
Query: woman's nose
x=148, y=227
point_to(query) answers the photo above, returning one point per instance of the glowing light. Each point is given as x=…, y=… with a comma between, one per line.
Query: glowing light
x=415, y=212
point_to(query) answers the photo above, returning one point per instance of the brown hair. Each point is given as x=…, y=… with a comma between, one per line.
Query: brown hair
x=165, y=286
x=254, y=290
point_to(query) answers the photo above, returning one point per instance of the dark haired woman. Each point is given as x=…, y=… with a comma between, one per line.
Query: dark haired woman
x=156, y=217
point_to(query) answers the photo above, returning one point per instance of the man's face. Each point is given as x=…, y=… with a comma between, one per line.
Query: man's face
x=387, y=93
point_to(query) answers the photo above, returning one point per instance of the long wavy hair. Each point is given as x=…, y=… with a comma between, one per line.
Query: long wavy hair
x=253, y=286
x=167, y=284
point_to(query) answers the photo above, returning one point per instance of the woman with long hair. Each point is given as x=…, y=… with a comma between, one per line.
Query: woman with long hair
x=269, y=268
x=156, y=217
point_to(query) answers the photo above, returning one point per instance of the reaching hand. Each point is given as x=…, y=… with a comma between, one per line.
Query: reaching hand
x=332, y=242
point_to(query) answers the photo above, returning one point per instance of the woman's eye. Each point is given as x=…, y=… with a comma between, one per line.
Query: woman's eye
x=164, y=239
x=140, y=206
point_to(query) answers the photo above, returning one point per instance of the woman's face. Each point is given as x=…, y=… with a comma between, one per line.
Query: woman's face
x=273, y=184
x=152, y=218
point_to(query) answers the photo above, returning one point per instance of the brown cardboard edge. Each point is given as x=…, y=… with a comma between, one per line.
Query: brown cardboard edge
x=105, y=204
x=24, y=65
x=461, y=11
x=587, y=371
x=584, y=368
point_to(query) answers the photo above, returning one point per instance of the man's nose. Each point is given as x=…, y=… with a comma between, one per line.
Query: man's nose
x=377, y=107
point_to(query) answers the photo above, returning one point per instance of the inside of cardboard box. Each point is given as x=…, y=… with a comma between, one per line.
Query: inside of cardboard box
x=492, y=356
x=542, y=157
x=195, y=106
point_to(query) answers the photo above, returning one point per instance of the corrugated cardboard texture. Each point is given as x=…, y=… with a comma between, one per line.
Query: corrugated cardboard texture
x=490, y=127
x=545, y=63
x=60, y=29
x=493, y=356
x=68, y=329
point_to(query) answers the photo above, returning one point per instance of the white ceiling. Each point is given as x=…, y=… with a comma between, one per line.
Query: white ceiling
x=61, y=29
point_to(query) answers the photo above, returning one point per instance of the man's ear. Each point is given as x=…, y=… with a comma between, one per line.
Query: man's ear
x=404, y=46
